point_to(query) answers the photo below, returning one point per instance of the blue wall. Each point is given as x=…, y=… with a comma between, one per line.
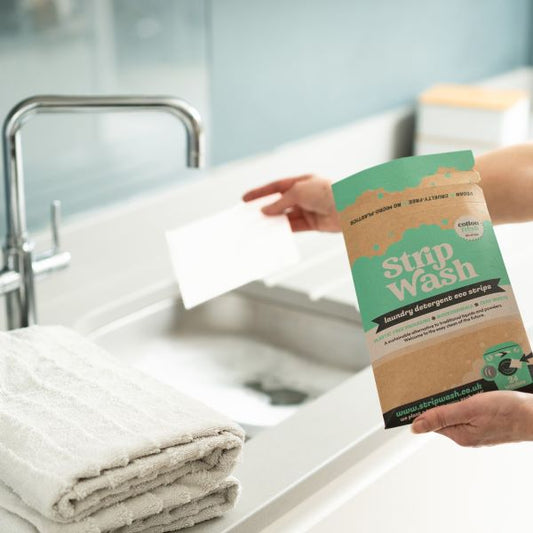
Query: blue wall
x=262, y=72
x=283, y=69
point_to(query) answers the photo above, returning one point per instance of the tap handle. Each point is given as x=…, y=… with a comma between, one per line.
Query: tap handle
x=53, y=259
x=55, y=221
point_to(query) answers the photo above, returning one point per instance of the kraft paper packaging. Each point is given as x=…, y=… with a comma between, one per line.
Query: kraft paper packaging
x=436, y=303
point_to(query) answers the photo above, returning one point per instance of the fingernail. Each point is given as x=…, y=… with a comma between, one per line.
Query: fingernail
x=419, y=426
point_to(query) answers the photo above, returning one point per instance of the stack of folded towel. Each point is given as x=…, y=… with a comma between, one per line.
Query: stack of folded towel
x=88, y=445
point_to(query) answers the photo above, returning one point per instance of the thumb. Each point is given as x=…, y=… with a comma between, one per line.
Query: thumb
x=280, y=206
x=441, y=417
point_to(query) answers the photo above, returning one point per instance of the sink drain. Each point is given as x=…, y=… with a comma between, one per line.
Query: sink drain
x=279, y=395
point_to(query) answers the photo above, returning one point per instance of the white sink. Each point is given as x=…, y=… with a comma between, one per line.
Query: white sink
x=256, y=354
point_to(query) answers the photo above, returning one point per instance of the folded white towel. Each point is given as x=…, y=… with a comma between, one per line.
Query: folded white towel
x=166, y=508
x=80, y=433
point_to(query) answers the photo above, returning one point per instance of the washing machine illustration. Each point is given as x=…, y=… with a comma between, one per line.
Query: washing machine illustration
x=507, y=366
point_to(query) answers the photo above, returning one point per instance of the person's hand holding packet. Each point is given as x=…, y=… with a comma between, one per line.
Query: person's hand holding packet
x=482, y=420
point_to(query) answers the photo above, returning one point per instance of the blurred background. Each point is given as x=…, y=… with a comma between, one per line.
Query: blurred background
x=262, y=73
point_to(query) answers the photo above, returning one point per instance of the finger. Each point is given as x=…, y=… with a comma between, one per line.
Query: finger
x=295, y=212
x=441, y=417
x=280, y=186
x=299, y=223
x=280, y=206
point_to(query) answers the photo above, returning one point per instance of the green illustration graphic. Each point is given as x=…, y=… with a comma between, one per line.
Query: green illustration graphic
x=507, y=366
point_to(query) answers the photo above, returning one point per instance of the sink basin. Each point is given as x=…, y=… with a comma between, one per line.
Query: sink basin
x=256, y=354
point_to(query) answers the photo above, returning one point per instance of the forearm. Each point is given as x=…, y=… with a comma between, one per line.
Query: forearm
x=507, y=181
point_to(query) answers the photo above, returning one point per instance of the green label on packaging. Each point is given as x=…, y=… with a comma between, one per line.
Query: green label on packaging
x=428, y=261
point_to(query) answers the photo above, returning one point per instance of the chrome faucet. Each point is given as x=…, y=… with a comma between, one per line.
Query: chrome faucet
x=20, y=267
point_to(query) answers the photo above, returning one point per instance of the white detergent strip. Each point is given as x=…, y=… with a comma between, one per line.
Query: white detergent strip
x=226, y=250
x=302, y=266
x=323, y=272
x=312, y=245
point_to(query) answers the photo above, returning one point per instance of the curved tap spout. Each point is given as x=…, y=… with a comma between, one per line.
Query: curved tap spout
x=13, y=174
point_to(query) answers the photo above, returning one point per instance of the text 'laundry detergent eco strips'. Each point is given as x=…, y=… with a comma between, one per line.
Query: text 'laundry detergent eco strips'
x=436, y=303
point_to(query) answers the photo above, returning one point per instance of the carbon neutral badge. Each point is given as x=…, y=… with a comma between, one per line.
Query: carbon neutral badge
x=469, y=228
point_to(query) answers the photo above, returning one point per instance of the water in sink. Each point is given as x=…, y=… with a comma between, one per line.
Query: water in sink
x=252, y=382
x=253, y=357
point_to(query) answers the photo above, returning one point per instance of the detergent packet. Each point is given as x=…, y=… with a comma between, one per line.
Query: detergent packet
x=436, y=304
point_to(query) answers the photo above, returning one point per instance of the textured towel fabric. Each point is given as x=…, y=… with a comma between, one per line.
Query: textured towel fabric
x=167, y=508
x=80, y=433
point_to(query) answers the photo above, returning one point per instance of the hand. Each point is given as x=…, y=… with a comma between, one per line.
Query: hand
x=306, y=200
x=481, y=420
